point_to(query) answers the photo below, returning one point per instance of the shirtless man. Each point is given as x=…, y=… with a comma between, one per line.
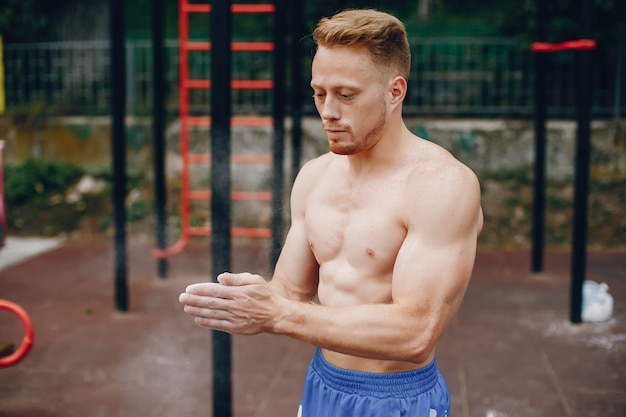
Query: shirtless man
x=382, y=241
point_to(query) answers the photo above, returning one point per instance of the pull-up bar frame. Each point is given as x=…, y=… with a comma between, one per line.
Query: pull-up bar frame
x=585, y=47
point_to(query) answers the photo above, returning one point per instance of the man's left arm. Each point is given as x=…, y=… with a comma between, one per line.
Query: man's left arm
x=430, y=277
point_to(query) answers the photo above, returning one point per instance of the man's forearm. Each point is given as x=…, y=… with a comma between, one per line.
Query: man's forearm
x=379, y=331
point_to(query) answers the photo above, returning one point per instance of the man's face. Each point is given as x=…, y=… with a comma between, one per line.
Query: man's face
x=350, y=95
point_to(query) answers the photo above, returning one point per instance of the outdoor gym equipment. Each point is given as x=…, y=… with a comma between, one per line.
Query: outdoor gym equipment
x=584, y=47
x=29, y=336
x=221, y=121
x=3, y=219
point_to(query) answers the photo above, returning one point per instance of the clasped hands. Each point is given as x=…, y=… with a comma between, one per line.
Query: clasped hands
x=238, y=303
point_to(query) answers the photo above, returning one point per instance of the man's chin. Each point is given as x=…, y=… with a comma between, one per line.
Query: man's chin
x=341, y=150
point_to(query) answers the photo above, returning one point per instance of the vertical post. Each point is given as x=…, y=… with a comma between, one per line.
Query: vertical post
x=278, y=113
x=220, y=187
x=297, y=17
x=581, y=181
x=131, y=77
x=3, y=220
x=540, y=143
x=618, y=78
x=2, y=92
x=158, y=128
x=118, y=148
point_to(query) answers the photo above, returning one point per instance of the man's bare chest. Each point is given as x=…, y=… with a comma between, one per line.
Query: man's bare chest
x=362, y=226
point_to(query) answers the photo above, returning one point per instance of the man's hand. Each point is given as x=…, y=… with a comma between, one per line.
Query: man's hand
x=239, y=303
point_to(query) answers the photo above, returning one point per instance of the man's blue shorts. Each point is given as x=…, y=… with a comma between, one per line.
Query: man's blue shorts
x=330, y=391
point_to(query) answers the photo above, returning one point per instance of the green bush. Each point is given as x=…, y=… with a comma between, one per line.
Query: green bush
x=35, y=178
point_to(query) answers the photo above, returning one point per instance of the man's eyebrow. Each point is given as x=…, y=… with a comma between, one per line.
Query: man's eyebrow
x=334, y=87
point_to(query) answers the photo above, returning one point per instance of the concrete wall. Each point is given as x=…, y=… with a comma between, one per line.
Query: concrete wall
x=487, y=146
x=490, y=146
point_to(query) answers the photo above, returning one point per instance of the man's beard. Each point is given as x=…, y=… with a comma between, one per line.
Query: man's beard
x=356, y=145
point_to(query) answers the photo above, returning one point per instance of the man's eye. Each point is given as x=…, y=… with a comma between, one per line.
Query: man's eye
x=318, y=95
x=346, y=96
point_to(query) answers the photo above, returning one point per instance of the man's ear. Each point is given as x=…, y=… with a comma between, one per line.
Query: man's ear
x=398, y=90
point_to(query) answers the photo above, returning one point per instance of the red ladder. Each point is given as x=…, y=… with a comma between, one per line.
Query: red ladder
x=187, y=121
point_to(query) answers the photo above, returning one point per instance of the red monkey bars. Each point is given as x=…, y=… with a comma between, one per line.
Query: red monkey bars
x=187, y=121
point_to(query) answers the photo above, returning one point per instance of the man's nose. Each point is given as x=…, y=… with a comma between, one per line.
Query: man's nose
x=330, y=109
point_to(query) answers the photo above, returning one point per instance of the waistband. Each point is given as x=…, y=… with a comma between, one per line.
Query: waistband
x=400, y=384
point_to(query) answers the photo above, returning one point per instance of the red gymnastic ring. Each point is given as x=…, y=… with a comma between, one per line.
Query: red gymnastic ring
x=29, y=337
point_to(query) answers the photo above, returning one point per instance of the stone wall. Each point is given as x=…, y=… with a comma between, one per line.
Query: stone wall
x=487, y=146
x=499, y=151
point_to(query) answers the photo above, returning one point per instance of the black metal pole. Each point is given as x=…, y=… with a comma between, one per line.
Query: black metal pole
x=538, y=223
x=297, y=34
x=618, y=77
x=278, y=113
x=158, y=128
x=118, y=148
x=583, y=151
x=220, y=187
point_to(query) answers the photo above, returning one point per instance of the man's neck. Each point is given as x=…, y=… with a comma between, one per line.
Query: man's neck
x=383, y=155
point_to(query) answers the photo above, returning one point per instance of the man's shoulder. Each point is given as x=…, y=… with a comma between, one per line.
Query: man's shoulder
x=439, y=188
x=319, y=164
x=436, y=165
x=311, y=171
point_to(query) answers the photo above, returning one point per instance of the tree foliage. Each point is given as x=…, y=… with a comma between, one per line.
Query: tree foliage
x=28, y=20
x=37, y=20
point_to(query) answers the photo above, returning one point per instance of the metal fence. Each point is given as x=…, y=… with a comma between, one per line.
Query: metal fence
x=482, y=77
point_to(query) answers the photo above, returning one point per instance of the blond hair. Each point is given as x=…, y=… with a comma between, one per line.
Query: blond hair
x=382, y=34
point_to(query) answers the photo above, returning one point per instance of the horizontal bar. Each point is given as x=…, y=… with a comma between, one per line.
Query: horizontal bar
x=250, y=232
x=237, y=159
x=195, y=46
x=235, y=231
x=234, y=84
x=239, y=121
x=252, y=121
x=251, y=196
x=197, y=84
x=196, y=8
x=200, y=231
x=235, y=8
x=234, y=46
x=252, y=159
x=252, y=84
x=577, y=45
x=252, y=46
x=234, y=195
x=253, y=8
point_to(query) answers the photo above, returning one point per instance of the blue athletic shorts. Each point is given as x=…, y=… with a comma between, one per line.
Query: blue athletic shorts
x=330, y=391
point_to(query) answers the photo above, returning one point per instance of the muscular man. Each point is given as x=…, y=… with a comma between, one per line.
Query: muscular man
x=382, y=241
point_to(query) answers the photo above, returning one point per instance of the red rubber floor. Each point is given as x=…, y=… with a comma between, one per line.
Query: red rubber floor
x=511, y=351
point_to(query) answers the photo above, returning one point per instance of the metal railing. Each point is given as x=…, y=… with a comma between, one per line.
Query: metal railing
x=481, y=77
